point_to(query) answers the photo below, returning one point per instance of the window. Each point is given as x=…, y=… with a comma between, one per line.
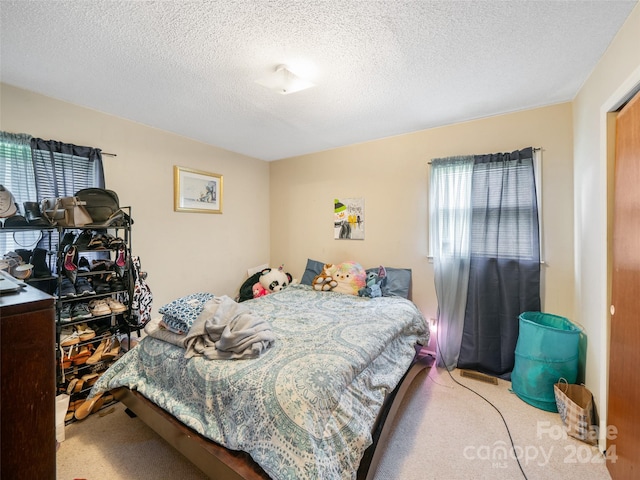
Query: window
x=16, y=167
x=503, y=202
x=33, y=169
x=504, y=222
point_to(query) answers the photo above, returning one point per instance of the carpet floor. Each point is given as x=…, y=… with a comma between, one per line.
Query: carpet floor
x=443, y=432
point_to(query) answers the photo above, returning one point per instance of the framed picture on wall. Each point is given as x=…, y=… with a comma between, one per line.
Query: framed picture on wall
x=348, y=219
x=196, y=191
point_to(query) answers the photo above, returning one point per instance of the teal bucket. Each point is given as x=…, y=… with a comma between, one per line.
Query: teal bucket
x=546, y=350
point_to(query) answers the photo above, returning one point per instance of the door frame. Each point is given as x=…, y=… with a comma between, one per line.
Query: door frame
x=608, y=112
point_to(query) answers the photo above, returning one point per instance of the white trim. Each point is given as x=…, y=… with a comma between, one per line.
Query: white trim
x=620, y=96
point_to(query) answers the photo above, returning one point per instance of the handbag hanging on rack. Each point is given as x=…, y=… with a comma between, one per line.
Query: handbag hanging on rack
x=66, y=212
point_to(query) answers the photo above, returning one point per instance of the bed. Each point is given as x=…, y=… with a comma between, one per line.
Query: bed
x=313, y=405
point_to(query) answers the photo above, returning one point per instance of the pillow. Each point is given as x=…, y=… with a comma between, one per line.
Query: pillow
x=398, y=282
x=183, y=311
x=313, y=269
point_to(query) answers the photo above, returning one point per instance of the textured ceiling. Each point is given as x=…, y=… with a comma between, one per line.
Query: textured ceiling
x=381, y=68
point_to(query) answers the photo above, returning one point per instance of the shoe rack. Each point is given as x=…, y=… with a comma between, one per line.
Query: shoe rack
x=94, y=288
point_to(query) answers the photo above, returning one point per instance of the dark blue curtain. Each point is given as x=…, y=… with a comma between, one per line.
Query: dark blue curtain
x=61, y=169
x=504, y=278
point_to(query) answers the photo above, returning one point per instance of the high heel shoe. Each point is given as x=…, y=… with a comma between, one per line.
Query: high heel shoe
x=121, y=260
x=69, y=266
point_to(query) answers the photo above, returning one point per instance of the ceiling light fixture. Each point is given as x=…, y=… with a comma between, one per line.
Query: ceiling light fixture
x=284, y=81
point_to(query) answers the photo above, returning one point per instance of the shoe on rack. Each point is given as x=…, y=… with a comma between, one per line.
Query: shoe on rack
x=40, y=266
x=99, y=307
x=69, y=336
x=101, y=265
x=33, y=215
x=87, y=407
x=79, y=386
x=82, y=242
x=73, y=405
x=24, y=254
x=115, y=306
x=83, y=287
x=100, y=241
x=80, y=311
x=90, y=378
x=66, y=357
x=83, y=265
x=82, y=356
x=101, y=286
x=71, y=385
x=69, y=415
x=75, y=385
x=113, y=351
x=67, y=239
x=115, y=241
x=66, y=289
x=98, y=405
x=121, y=260
x=105, y=344
x=85, y=333
x=69, y=265
x=117, y=284
x=65, y=313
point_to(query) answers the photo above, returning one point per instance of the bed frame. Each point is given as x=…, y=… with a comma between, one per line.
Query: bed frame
x=219, y=462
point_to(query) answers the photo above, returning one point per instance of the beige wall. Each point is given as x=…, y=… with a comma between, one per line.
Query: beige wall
x=391, y=176
x=612, y=81
x=182, y=252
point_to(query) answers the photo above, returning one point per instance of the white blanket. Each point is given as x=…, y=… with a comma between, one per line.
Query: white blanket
x=227, y=330
x=154, y=329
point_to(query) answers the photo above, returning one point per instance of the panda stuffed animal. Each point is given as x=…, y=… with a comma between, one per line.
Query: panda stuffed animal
x=271, y=279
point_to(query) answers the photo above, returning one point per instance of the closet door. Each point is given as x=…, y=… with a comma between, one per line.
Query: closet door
x=624, y=352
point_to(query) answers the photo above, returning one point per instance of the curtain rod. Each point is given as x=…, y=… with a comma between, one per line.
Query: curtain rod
x=535, y=149
x=109, y=154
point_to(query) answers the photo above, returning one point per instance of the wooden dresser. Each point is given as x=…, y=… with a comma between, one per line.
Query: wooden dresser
x=27, y=397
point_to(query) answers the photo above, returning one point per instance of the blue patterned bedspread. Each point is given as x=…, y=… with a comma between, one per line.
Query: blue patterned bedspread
x=305, y=408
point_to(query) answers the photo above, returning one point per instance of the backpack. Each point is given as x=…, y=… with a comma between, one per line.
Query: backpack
x=142, y=296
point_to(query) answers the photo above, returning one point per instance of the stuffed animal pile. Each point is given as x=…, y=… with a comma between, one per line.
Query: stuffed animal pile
x=347, y=277
x=264, y=282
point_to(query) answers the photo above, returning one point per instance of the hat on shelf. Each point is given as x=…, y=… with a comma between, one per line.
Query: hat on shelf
x=7, y=203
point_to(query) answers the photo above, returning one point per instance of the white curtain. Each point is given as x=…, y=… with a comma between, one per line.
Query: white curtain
x=450, y=236
x=16, y=175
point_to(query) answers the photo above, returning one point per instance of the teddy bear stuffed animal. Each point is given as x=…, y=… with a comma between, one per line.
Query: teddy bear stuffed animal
x=259, y=290
x=324, y=281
